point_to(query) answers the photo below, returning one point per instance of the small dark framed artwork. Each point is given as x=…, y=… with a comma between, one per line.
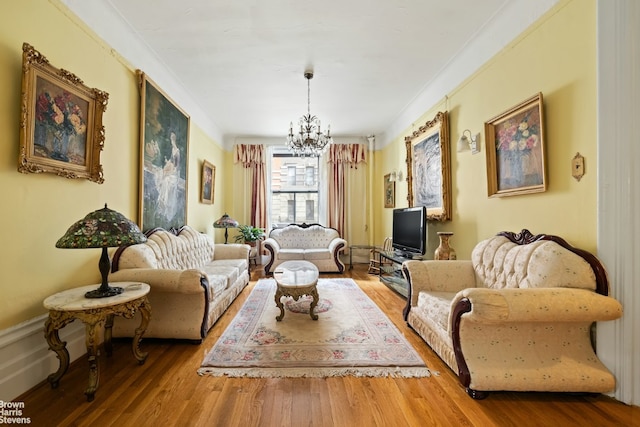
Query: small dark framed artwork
x=389, y=192
x=208, y=182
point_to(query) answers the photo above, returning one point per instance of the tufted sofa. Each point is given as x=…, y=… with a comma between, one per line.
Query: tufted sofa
x=310, y=242
x=518, y=316
x=192, y=280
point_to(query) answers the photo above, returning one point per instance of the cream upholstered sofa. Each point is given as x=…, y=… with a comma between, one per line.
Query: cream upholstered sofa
x=193, y=281
x=517, y=316
x=309, y=242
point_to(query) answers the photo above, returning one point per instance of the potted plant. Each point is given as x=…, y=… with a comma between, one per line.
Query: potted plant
x=249, y=234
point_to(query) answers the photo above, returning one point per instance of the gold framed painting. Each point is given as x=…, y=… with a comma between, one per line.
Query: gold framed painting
x=61, y=129
x=429, y=168
x=516, y=150
x=208, y=182
x=164, y=153
x=389, y=192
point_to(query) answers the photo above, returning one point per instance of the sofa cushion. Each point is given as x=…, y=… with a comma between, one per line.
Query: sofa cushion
x=287, y=254
x=189, y=249
x=317, y=254
x=436, y=306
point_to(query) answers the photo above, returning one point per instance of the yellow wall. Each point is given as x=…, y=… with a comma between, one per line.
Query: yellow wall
x=555, y=56
x=38, y=209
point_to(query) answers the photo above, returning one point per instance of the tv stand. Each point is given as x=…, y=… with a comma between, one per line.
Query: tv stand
x=391, y=274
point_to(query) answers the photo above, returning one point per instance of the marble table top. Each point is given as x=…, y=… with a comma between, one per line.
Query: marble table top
x=74, y=299
x=296, y=273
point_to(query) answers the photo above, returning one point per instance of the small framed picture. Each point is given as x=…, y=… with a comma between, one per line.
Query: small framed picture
x=208, y=182
x=389, y=192
x=61, y=129
x=515, y=150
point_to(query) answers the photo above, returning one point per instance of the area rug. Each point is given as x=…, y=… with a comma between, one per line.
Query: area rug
x=351, y=337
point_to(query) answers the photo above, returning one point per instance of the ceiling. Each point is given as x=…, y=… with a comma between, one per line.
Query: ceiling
x=240, y=63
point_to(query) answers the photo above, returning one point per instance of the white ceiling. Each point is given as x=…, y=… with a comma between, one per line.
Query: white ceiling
x=237, y=65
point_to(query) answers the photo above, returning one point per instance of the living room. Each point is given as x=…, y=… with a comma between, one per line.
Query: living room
x=557, y=56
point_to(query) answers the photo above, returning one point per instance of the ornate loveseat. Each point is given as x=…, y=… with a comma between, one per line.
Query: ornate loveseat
x=518, y=316
x=310, y=242
x=193, y=281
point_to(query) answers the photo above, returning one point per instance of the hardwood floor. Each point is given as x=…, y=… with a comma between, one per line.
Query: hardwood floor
x=166, y=391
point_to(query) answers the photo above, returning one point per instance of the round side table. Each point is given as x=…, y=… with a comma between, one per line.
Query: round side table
x=66, y=306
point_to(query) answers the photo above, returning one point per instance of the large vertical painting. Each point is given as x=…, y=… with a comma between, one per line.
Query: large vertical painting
x=428, y=168
x=164, y=153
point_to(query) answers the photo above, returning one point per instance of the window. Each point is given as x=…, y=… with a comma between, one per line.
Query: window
x=294, y=189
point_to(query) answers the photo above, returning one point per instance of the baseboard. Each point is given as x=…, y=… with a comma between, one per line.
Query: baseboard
x=25, y=358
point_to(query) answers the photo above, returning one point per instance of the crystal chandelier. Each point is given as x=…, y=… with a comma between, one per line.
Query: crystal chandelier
x=309, y=141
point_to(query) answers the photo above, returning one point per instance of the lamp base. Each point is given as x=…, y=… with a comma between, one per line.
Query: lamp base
x=103, y=293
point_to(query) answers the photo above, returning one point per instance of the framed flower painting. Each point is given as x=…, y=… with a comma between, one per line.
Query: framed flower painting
x=515, y=150
x=61, y=129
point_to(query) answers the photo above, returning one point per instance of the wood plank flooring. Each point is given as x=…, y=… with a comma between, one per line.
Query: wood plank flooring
x=166, y=391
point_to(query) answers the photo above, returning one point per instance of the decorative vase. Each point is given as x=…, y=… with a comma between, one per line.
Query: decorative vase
x=444, y=251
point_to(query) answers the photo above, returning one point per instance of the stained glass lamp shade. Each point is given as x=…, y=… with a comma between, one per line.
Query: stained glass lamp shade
x=104, y=228
x=225, y=222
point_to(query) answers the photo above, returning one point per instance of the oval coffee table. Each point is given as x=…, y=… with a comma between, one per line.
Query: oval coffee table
x=295, y=279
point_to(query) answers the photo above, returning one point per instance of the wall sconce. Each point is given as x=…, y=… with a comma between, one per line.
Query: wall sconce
x=396, y=176
x=473, y=143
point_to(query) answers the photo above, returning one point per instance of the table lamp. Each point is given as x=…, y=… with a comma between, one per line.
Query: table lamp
x=225, y=222
x=104, y=228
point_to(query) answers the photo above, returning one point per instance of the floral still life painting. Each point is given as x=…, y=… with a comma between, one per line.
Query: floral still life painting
x=515, y=156
x=61, y=128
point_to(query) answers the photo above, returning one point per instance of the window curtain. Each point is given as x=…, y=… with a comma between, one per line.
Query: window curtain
x=342, y=157
x=252, y=157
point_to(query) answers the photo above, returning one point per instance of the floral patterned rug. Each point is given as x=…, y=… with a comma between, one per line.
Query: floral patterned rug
x=351, y=337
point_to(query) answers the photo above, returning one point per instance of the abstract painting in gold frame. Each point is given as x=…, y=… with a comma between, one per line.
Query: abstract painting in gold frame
x=515, y=150
x=429, y=168
x=61, y=129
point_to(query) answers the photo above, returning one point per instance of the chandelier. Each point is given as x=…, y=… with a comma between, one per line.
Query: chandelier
x=309, y=141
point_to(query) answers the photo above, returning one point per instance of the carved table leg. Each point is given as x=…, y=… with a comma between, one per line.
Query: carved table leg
x=59, y=347
x=279, y=304
x=145, y=312
x=314, y=303
x=108, y=326
x=92, y=355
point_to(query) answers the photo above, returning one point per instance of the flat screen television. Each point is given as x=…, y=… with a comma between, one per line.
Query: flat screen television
x=410, y=231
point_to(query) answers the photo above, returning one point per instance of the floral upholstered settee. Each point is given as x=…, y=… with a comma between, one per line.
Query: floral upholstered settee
x=518, y=316
x=193, y=281
x=314, y=243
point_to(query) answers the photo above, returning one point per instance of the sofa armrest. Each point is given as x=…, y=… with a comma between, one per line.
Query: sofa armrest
x=537, y=305
x=440, y=276
x=163, y=280
x=337, y=244
x=272, y=244
x=231, y=251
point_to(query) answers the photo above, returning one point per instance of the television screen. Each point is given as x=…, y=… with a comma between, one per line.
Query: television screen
x=410, y=230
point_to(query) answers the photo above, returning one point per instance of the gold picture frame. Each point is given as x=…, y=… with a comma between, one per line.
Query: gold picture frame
x=516, y=150
x=164, y=155
x=208, y=180
x=389, y=192
x=429, y=168
x=61, y=129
